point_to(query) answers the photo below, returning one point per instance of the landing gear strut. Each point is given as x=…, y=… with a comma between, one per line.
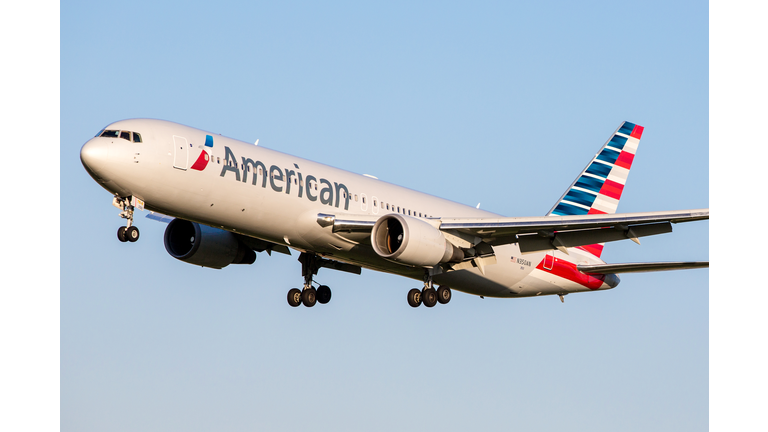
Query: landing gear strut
x=309, y=296
x=128, y=233
x=428, y=295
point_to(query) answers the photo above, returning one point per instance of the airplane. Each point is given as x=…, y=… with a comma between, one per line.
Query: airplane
x=225, y=200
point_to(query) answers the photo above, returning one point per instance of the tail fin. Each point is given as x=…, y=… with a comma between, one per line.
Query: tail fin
x=598, y=188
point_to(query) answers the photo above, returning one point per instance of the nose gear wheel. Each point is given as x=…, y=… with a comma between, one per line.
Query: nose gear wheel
x=128, y=233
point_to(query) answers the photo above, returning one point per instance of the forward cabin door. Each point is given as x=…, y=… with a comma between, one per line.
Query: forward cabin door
x=180, y=152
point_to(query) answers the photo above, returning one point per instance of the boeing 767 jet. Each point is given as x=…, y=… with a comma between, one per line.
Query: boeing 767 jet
x=226, y=200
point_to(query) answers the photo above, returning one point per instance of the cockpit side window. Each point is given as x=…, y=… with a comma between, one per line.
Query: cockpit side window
x=110, y=133
x=125, y=135
x=100, y=132
x=136, y=137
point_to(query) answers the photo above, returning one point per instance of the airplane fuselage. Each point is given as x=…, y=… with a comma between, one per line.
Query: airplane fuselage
x=250, y=190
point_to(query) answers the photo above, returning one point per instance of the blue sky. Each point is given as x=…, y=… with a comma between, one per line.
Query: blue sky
x=497, y=104
x=493, y=103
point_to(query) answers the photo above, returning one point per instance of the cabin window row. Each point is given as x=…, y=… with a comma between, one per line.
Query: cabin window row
x=313, y=185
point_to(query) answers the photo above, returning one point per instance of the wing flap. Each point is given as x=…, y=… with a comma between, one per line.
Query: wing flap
x=536, y=242
x=642, y=267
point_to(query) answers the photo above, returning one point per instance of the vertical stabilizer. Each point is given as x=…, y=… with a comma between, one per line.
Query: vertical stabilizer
x=597, y=190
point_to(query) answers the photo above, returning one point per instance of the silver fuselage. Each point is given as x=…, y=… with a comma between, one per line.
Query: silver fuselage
x=262, y=193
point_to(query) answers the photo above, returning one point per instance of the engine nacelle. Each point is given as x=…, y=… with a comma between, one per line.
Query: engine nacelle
x=205, y=246
x=411, y=241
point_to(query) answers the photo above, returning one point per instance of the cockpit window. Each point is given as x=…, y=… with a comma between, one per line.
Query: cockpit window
x=100, y=132
x=110, y=133
x=136, y=137
x=125, y=135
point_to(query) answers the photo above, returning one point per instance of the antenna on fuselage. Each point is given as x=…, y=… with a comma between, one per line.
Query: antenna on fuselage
x=257, y=142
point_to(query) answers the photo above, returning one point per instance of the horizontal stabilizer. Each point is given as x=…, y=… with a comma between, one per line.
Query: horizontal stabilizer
x=641, y=267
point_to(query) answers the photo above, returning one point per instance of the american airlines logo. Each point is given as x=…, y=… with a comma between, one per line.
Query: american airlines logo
x=204, y=158
x=280, y=179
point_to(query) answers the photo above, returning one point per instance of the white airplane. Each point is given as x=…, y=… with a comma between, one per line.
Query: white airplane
x=226, y=199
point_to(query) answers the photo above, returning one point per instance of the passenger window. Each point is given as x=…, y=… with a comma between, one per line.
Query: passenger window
x=125, y=135
x=110, y=133
x=136, y=137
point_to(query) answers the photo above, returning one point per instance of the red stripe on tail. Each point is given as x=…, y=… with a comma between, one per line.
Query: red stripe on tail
x=612, y=189
x=625, y=160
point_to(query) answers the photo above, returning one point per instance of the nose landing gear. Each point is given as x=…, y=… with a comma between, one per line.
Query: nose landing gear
x=128, y=233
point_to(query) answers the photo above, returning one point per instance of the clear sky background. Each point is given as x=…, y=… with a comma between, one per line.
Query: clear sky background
x=492, y=103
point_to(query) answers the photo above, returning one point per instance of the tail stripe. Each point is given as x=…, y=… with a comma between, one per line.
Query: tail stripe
x=589, y=183
x=599, y=187
x=580, y=197
x=599, y=169
x=609, y=155
x=618, y=142
x=627, y=128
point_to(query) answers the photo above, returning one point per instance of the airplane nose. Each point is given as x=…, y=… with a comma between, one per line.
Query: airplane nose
x=94, y=155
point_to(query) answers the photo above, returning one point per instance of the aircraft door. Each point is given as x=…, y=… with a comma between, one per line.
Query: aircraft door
x=180, y=152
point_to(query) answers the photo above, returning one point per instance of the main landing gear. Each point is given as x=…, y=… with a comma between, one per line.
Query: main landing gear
x=428, y=295
x=308, y=295
x=128, y=233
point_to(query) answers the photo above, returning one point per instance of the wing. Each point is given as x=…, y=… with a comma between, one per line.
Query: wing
x=535, y=234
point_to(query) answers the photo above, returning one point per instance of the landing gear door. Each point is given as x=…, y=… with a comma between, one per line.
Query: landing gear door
x=180, y=152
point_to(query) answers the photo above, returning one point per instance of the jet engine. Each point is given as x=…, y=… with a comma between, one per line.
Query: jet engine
x=205, y=246
x=411, y=241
